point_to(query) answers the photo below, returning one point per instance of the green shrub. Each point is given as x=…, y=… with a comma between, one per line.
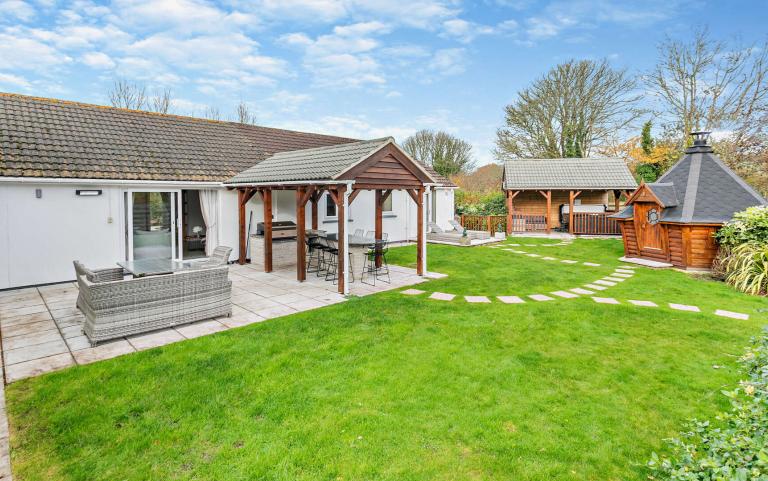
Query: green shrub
x=750, y=225
x=647, y=172
x=735, y=446
x=745, y=267
x=475, y=203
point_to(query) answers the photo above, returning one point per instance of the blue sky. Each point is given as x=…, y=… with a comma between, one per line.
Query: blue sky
x=360, y=68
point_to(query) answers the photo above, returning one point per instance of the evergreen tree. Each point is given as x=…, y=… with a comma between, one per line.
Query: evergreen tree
x=646, y=140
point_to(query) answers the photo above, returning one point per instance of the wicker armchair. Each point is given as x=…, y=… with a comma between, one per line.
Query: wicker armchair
x=122, y=308
x=96, y=275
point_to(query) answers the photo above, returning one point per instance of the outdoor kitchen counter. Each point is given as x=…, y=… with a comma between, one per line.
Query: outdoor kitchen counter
x=283, y=252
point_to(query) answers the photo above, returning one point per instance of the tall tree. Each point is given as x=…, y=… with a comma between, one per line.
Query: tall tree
x=129, y=95
x=575, y=107
x=646, y=139
x=447, y=154
x=708, y=85
x=243, y=114
x=212, y=113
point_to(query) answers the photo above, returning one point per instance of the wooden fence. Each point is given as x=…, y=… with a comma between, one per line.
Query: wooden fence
x=528, y=222
x=488, y=223
x=595, y=223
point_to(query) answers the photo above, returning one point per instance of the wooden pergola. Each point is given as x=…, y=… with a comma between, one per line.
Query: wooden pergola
x=383, y=168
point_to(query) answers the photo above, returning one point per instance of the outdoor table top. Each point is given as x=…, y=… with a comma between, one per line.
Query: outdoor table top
x=152, y=267
x=356, y=241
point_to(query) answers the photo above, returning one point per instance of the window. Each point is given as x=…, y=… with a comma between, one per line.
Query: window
x=330, y=206
x=387, y=205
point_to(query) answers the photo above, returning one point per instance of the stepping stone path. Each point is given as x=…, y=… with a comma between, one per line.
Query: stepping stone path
x=412, y=292
x=604, y=283
x=619, y=273
x=683, y=307
x=596, y=287
x=605, y=300
x=533, y=255
x=568, y=261
x=591, y=264
x=579, y=290
x=614, y=279
x=565, y=294
x=732, y=315
x=510, y=299
x=548, y=259
x=541, y=297
x=441, y=296
x=643, y=303
x=477, y=299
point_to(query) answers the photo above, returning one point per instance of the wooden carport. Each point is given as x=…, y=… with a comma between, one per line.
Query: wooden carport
x=343, y=171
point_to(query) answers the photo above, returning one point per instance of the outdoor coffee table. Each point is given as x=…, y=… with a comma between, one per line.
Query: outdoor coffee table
x=154, y=267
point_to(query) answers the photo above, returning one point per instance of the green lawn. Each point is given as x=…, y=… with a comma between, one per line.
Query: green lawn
x=405, y=388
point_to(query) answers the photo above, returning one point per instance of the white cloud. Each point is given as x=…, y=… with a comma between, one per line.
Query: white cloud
x=187, y=16
x=24, y=53
x=288, y=101
x=448, y=61
x=392, y=94
x=16, y=9
x=98, y=60
x=14, y=80
x=466, y=31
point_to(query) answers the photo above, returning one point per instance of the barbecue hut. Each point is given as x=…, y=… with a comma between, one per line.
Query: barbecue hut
x=673, y=221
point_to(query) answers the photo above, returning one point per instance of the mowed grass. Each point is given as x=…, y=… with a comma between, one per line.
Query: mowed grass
x=393, y=387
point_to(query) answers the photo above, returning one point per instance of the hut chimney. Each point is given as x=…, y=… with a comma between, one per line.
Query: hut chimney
x=700, y=142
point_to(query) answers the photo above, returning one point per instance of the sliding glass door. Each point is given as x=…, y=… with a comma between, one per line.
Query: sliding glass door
x=151, y=227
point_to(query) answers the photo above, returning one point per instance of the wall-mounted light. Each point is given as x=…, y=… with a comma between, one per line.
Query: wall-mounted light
x=38, y=193
x=88, y=193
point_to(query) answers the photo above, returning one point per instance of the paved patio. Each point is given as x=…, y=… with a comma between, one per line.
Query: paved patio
x=41, y=329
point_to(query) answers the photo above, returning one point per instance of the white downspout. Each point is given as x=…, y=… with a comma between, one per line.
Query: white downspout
x=424, y=229
x=347, y=192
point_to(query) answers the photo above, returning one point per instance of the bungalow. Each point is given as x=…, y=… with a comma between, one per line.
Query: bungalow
x=572, y=194
x=103, y=184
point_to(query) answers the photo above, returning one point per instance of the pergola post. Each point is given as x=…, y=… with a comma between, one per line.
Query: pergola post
x=341, y=221
x=420, y=232
x=548, y=195
x=616, y=200
x=571, y=198
x=510, y=208
x=301, y=253
x=313, y=199
x=266, y=198
x=243, y=196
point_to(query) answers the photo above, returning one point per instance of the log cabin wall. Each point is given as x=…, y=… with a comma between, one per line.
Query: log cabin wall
x=676, y=247
x=701, y=245
x=629, y=237
x=531, y=202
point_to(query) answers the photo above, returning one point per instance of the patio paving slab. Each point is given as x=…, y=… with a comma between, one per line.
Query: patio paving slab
x=31, y=328
x=20, y=311
x=155, y=339
x=78, y=343
x=27, y=319
x=731, y=314
x=477, y=299
x=442, y=296
x=35, y=351
x=38, y=366
x=684, y=307
x=412, y=292
x=541, y=297
x=108, y=350
x=579, y=290
x=276, y=311
x=605, y=300
x=17, y=342
x=510, y=299
x=643, y=303
x=201, y=328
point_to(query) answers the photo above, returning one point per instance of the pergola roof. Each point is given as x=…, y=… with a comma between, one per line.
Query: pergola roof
x=567, y=174
x=320, y=164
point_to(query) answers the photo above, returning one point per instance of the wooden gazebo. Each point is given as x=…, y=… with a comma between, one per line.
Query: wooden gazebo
x=343, y=171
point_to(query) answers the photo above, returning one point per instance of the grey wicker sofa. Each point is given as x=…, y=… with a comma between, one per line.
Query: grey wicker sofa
x=120, y=308
x=96, y=275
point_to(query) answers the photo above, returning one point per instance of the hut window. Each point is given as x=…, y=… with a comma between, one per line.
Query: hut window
x=653, y=216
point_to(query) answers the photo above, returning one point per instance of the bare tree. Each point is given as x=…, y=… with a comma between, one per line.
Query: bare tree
x=212, y=113
x=244, y=114
x=708, y=85
x=447, y=154
x=576, y=106
x=161, y=102
x=128, y=95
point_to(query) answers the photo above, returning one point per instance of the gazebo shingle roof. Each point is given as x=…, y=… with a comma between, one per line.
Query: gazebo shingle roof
x=567, y=174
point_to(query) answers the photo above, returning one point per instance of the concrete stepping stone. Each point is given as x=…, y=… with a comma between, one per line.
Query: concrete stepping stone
x=541, y=297
x=533, y=255
x=442, y=296
x=548, y=258
x=476, y=299
x=591, y=264
x=411, y=292
x=683, y=307
x=732, y=315
x=510, y=299
x=604, y=283
x=596, y=287
x=579, y=290
x=565, y=294
x=624, y=271
x=643, y=303
x=568, y=261
x=629, y=267
x=614, y=279
x=519, y=252
x=514, y=245
x=605, y=300
x=621, y=274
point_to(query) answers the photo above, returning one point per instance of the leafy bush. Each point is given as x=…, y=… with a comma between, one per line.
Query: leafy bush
x=476, y=203
x=745, y=267
x=647, y=172
x=735, y=447
x=750, y=225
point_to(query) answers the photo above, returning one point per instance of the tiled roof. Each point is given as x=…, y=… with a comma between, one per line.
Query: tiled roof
x=321, y=163
x=566, y=174
x=53, y=138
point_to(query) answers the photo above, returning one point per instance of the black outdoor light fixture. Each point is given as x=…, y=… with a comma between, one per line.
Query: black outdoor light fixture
x=88, y=193
x=700, y=137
